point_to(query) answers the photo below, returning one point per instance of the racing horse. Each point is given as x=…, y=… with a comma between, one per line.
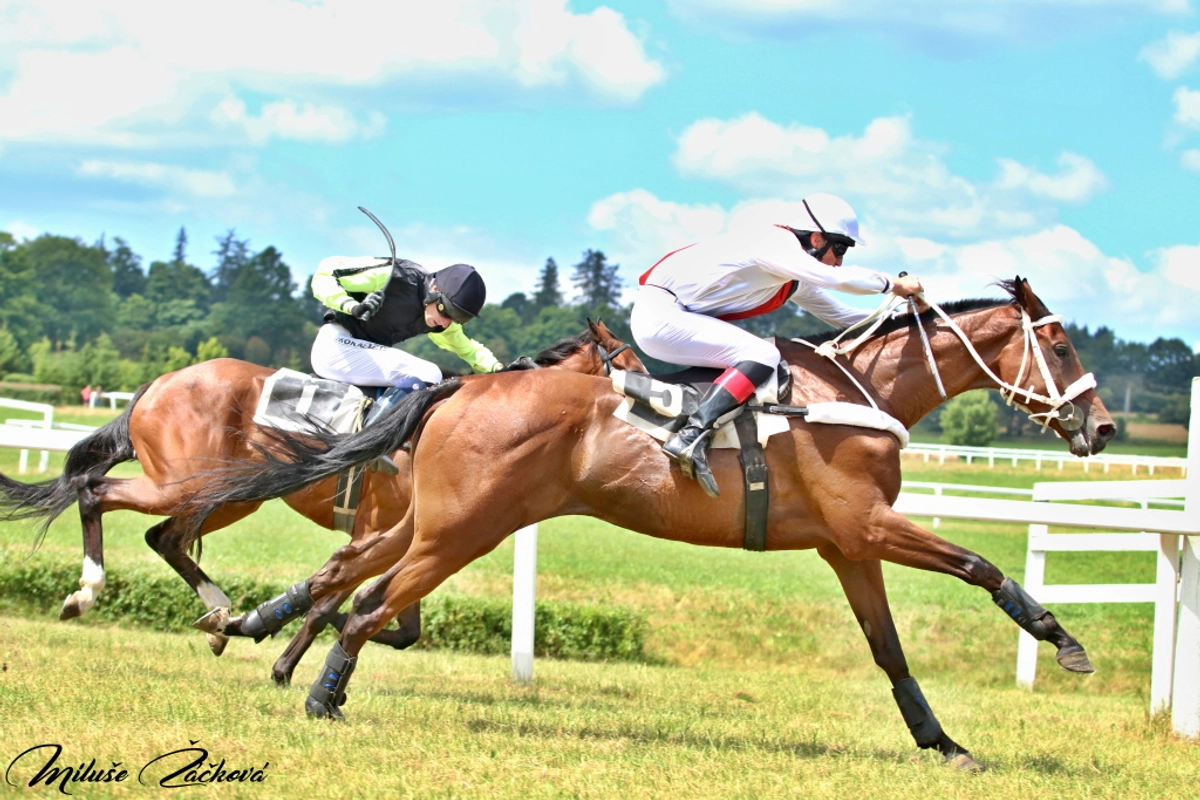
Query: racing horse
x=532, y=445
x=186, y=421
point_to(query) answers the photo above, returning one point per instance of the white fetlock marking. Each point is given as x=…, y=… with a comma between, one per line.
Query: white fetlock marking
x=91, y=583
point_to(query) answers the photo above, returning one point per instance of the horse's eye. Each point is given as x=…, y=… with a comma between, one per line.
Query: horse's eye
x=1061, y=350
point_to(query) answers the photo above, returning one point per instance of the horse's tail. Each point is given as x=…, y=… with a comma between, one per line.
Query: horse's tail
x=95, y=454
x=295, y=460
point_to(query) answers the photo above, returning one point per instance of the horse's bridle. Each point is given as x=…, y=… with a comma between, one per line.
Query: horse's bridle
x=608, y=357
x=1062, y=409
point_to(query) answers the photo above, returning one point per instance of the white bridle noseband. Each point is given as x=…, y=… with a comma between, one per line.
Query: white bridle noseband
x=1061, y=406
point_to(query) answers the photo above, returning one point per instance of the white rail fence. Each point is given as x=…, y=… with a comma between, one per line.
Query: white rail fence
x=1014, y=455
x=44, y=435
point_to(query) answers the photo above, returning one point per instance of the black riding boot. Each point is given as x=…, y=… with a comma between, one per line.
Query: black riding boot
x=689, y=445
x=379, y=409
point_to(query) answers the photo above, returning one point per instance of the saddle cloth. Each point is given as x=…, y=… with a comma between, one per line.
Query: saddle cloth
x=293, y=401
x=660, y=408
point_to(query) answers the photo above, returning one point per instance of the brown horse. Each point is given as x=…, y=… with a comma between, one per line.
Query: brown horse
x=188, y=421
x=491, y=457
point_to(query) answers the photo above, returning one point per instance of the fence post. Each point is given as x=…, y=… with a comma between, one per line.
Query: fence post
x=524, y=603
x=1185, y=700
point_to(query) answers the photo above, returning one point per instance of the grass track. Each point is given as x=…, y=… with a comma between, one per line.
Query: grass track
x=768, y=689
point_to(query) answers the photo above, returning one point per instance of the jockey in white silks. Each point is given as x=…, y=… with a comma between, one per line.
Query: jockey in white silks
x=687, y=301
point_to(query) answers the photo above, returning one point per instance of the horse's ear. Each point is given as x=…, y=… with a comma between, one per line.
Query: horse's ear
x=1028, y=300
x=597, y=328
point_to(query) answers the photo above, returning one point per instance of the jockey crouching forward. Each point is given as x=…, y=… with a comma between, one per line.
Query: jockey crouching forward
x=687, y=301
x=373, y=304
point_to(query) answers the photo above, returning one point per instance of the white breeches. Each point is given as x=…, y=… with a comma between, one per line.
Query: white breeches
x=339, y=356
x=665, y=330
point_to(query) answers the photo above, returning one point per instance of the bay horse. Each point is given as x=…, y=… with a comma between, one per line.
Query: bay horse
x=183, y=423
x=492, y=457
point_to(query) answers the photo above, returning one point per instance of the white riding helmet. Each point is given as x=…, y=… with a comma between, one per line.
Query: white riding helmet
x=829, y=213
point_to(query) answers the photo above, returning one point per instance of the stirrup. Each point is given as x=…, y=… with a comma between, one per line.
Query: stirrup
x=384, y=464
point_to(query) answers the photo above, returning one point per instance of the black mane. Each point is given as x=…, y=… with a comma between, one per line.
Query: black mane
x=556, y=353
x=904, y=320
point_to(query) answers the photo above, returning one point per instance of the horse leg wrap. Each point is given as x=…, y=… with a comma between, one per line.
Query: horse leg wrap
x=1024, y=610
x=921, y=722
x=328, y=694
x=270, y=617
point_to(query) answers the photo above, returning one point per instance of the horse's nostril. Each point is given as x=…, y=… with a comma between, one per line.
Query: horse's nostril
x=1106, y=432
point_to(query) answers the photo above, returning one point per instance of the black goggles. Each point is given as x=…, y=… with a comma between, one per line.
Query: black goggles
x=839, y=244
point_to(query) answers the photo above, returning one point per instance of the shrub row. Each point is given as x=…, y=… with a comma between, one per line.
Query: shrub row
x=454, y=622
x=32, y=392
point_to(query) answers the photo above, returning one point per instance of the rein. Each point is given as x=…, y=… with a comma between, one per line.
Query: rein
x=1061, y=406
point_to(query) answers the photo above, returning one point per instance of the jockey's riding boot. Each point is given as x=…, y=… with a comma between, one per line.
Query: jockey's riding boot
x=382, y=405
x=689, y=445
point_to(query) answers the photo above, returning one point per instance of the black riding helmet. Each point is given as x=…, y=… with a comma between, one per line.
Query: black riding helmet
x=460, y=292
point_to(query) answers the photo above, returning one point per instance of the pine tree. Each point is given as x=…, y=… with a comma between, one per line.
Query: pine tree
x=547, y=293
x=180, y=256
x=128, y=277
x=232, y=257
x=597, y=281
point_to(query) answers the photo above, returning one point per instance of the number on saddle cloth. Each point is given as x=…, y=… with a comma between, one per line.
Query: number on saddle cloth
x=294, y=401
x=661, y=404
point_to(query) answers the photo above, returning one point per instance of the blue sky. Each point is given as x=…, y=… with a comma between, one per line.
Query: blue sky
x=1055, y=139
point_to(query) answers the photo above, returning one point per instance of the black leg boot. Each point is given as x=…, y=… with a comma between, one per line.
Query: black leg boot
x=385, y=403
x=689, y=445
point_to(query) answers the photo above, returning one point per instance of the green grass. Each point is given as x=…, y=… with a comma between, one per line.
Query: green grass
x=760, y=683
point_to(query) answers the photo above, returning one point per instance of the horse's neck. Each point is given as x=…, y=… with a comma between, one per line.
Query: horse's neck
x=899, y=369
x=585, y=360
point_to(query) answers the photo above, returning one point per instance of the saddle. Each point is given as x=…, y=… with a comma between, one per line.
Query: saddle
x=296, y=402
x=661, y=404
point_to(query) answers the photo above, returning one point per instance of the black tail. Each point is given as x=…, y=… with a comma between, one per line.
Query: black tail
x=295, y=460
x=95, y=455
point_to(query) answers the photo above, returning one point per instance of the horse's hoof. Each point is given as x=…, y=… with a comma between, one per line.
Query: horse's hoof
x=282, y=679
x=318, y=710
x=216, y=643
x=964, y=762
x=214, y=621
x=70, y=609
x=1073, y=658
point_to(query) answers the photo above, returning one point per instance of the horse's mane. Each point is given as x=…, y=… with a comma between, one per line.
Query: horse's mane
x=556, y=353
x=952, y=308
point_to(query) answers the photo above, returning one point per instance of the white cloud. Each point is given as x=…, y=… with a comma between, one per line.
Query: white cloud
x=1190, y=160
x=886, y=168
x=1068, y=271
x=1187, y=107
x=1079, y=179
x=121, y=73
x=301, y=121
x=21, y=230
x=179, y=180
x=1171, y=57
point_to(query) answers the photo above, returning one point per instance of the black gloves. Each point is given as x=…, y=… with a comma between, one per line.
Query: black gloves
x=368, y=306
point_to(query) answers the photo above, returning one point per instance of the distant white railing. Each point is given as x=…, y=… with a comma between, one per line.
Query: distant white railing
x=44, y=435
x=1015, y=454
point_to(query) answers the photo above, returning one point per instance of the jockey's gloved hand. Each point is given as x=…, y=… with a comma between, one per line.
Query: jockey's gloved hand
x=368, y=306
x=524, y=362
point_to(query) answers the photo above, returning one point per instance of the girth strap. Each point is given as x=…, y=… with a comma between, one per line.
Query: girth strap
x=754, y=469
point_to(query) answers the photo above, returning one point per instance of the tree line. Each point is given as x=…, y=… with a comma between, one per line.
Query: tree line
x=74, y=314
